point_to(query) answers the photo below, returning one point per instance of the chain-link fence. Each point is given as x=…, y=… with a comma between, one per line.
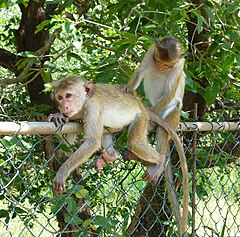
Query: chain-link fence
x=116, y=202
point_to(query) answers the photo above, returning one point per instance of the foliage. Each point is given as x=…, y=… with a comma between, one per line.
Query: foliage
x=105, y=45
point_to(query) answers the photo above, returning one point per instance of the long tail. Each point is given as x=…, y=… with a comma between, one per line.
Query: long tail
x=183, y=162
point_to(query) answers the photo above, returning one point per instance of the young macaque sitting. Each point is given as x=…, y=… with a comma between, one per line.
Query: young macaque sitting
x=105, y=109
x=164, y=83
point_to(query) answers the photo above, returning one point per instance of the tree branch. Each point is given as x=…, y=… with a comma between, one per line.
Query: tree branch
x=8, y=60
x=41, y=52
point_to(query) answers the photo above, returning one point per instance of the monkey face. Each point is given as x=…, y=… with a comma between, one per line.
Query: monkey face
x=71, y=100
x=162, y=65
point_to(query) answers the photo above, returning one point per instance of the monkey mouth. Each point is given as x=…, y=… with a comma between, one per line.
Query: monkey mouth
x=70, y=114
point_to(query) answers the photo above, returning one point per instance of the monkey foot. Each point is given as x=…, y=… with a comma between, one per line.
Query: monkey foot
x=105, y=159
x=153, y=173
x=58, y=185
x=129, y=155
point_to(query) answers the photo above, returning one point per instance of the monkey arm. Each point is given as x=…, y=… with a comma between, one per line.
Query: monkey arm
x=58, y=119
x=169, y=94
x=134, y=81
x=89, y=146
x=93, y=129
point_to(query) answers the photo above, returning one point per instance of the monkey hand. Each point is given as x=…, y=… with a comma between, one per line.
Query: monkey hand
x=58, y=118
x=58, y=184
x=153, y=173
x=105, y=159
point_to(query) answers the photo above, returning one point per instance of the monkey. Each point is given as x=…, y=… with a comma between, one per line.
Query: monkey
x=164, y=83
x=105, y=109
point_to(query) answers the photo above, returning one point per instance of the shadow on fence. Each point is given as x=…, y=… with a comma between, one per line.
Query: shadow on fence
x=116, y=201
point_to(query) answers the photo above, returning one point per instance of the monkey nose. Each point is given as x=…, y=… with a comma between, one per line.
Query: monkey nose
x=65, y=110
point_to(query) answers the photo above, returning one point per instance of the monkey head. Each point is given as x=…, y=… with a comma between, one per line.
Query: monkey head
x=167, y=52
x=71, y=94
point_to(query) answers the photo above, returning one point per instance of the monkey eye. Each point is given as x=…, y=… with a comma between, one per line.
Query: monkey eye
x=68, y=95
x=60, y=97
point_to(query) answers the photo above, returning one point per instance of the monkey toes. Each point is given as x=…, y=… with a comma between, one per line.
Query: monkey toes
x=105, y=159
x=58, y=185
x=153, y=173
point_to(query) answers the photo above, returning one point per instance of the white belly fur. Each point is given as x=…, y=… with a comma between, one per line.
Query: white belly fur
x=118, y=119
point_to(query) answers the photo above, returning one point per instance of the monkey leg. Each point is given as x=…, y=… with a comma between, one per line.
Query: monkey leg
x=162, y=139
x=137, y=141
x=128, y=155
x=109, y=153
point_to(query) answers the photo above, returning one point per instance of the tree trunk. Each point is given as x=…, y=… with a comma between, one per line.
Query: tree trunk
x=152, y=213
x=27, y=40
x=153, y=205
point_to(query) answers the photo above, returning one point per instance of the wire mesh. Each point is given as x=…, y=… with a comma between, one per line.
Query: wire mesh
x=116, y=202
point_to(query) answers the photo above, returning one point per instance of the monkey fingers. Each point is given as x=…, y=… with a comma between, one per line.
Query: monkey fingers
x=58, y=185
x=153, y=173
x=58, y=119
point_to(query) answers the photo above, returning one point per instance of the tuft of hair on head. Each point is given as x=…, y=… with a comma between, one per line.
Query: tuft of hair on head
x=169, y=47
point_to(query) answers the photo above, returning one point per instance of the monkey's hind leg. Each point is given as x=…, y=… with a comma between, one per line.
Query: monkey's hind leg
x=162, y=139
x=137, y=141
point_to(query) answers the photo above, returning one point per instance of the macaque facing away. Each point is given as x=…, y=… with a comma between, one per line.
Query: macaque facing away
x=164, y=84
x=106, y=109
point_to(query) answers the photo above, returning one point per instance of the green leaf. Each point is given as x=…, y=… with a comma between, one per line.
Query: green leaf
x=45, y=74
x=131, y=37
x=211, y=92
x=184, y=114
x=22, y=63
x=71, y=204
x=65, y=148
x=83, y=193
x=49, y=66
x=48, y=87
x=227, y=62
x=42, y=25
x=68, y=26
x=20, y=210
x=73, y=220
x=73, y=55
x=210, y=15
x=5, y=143
x=3, y=213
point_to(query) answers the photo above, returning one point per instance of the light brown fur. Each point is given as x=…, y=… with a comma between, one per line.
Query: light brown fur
x=105, y=109
x=164, y=84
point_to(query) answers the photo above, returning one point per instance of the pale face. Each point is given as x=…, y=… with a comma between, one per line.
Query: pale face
x=71, y=99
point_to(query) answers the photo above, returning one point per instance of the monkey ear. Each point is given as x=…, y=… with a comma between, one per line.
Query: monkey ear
x=89, y=87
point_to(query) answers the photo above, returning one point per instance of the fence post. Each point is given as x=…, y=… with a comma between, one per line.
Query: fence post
x=194, y=173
